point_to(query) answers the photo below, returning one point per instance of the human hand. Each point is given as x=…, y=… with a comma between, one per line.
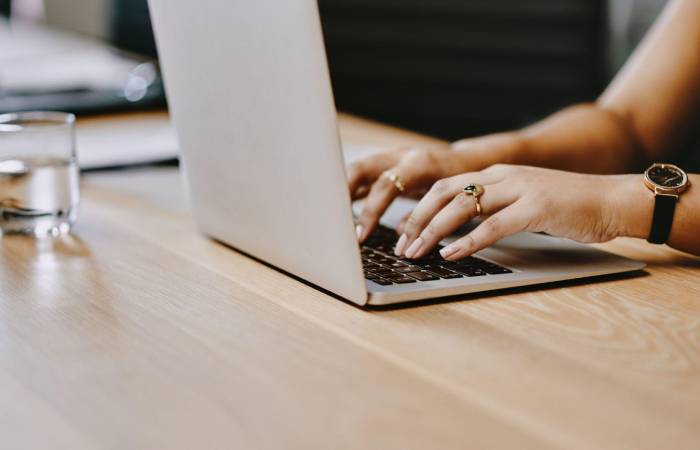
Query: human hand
x=586, y=208
x=417, y=169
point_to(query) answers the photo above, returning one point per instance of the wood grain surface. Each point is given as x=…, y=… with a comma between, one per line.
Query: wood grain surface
x=135, y=332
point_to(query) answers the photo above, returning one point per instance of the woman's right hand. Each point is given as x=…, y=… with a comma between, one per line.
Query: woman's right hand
x=417, y=169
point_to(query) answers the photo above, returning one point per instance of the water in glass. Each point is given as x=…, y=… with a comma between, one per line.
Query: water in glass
x=38, y=195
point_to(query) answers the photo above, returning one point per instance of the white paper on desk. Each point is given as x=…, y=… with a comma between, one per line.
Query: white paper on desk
x=143, y=138
x=125, y=140
x=34, y=58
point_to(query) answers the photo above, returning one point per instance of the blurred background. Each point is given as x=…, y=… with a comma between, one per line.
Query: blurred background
x=449, y=68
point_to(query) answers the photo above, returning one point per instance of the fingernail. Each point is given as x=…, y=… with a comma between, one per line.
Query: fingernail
x=359, y=230
x=400, y=244
x=413, y=249
x=448, y=251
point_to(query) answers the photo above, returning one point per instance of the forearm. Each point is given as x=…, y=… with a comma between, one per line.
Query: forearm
x=582, y=138
x=658, y=90
x=632, y=205
x=645, y=114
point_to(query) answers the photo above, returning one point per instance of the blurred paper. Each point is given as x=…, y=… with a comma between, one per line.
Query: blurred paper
x=37, y=59
x=126, y=139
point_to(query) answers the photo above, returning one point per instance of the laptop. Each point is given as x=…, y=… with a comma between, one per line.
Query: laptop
x=249, y=92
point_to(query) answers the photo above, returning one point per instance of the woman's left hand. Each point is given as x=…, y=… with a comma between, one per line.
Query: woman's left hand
x=586, y=208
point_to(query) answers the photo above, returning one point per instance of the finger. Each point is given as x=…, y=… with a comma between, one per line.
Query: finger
x=361, y=174
x=384, y=191
x=461, y=209
x=361, y=192
x=399, y=228
x=380, y=196
x=439, y=195
x=510, y=220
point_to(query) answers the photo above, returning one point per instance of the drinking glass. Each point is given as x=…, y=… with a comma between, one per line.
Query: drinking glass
x=39, y=189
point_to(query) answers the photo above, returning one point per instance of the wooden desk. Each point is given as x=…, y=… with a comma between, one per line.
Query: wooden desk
x=138, y=333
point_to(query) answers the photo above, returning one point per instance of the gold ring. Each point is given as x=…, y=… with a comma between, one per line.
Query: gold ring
x=396, y=180
x=474, y=190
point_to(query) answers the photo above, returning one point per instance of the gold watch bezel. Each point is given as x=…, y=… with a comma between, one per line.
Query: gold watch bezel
x=657, y=189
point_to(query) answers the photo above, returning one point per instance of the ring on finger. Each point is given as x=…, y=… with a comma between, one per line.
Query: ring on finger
x=396, y=180
x=476, y=191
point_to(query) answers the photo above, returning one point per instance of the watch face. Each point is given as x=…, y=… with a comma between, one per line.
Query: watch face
x=666, y=176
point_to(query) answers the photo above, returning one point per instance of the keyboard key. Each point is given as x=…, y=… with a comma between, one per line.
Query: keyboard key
x=381, y=281
x=404, y=280
x=469, y=262
x=447, y=264
x=383, y=271
x=470, y=271
x=406, y=269
x=442, y=272
x=380, y=260
x=398, y=264
x=401, y=279
x=495, y=270
x=422, y=276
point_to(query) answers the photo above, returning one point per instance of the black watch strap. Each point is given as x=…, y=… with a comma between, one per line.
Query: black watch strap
x=664, y=207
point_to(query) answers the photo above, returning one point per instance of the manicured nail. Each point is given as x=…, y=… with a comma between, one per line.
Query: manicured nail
x=413, y=248
x=400, y=244
x=359, y=230
x=448, y=251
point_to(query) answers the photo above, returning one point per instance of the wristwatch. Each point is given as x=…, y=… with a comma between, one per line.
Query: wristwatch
x=667, y=182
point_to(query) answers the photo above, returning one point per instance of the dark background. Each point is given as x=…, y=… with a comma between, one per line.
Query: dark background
x=131, y=26
x=463, y=67
x=457, y=68
x=449, y=68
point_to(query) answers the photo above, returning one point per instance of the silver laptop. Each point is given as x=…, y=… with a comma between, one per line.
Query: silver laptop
x=249, y=92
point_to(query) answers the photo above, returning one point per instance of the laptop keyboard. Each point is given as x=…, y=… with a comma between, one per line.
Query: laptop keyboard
x=383, y=267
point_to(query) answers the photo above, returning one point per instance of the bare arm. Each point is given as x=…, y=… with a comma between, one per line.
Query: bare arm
x=658, y=91
x=643, y=115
